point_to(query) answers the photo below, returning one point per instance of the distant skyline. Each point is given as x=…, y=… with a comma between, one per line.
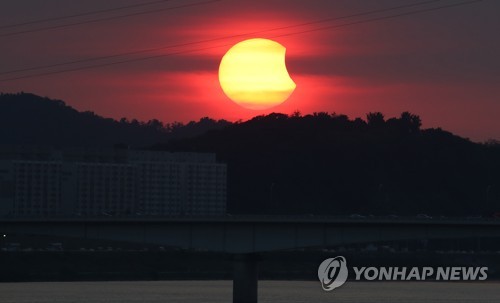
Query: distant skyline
x=441, y=64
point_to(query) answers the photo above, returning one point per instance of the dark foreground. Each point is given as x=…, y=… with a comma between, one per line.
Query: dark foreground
x=269, y=291
x=22, y=266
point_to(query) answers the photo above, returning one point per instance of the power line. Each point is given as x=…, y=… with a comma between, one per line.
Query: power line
x=108, y=10
x=107, y=18
x=224, y=45
x=219, y=38
x=383, y=18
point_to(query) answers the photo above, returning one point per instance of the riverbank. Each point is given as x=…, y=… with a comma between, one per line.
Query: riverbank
x=269, y=292
x=186, y=265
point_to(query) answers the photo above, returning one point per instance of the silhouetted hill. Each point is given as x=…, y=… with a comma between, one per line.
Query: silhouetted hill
x=33, y=120
x=313, y=164
x=328, y=164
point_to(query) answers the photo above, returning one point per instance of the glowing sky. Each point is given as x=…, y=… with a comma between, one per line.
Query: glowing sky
x=443, y=65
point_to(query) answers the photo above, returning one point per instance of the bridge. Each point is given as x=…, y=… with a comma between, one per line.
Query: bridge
x=245, y=237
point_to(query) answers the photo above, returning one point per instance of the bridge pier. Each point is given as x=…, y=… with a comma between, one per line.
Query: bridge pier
x=245, y=278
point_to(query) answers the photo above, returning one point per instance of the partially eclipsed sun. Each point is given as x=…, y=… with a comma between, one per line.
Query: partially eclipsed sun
x=253, y=74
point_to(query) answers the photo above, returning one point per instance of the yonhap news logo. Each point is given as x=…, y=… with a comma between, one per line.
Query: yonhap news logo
x=333, y=273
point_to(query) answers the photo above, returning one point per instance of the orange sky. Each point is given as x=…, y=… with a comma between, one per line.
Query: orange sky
x=442, y=65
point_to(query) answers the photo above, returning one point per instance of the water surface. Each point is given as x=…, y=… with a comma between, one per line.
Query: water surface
x=269, y=291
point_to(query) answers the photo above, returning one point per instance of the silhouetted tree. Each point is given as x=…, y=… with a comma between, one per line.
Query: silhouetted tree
x=296, y=114
x=320, y=163
x=31, y=119
x=375, y=119
x=327, y=164
x=411, y=122
x=155, y=124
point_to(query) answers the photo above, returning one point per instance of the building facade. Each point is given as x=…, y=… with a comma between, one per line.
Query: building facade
x=110, y=182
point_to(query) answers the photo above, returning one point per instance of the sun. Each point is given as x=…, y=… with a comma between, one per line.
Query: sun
x=253, y=74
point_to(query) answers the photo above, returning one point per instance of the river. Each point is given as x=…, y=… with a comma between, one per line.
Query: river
x=269, y=291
